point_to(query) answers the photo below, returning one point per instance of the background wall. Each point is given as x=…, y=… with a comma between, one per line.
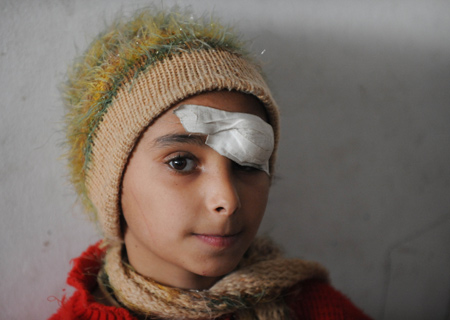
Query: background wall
x=363, y=172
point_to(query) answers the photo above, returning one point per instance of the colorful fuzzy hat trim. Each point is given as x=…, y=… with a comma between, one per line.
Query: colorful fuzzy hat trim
x=132, y=73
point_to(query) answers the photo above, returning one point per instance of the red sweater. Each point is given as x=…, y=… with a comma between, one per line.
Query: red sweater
x=316, y=299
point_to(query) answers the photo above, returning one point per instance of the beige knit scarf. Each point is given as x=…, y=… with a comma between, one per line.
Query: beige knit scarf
x=254, y=290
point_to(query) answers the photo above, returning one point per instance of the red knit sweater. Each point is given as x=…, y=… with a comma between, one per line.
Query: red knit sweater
x=316, y=299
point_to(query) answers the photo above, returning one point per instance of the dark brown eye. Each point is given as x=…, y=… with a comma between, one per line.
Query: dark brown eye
x=182, y=164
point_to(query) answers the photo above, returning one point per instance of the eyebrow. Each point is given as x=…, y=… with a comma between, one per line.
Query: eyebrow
x=176, y=138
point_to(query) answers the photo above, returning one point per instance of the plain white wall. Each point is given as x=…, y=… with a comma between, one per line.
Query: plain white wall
x=363, y=173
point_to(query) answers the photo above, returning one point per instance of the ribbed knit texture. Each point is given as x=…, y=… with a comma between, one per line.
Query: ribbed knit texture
x=153, y=92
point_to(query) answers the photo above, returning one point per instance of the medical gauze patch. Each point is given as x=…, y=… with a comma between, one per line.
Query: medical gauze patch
x=241, y=137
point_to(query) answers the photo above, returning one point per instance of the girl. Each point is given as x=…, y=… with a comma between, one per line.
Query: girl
x=172, y=135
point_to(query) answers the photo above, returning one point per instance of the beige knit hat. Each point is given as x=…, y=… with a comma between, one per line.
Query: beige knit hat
x=131, y=74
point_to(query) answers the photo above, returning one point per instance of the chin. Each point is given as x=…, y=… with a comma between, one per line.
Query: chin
x=218, y=268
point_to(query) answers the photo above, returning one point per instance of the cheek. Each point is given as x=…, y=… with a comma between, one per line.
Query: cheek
x=154, y=204
x=135, y=210
x=137, y=196
x=259, y=189
x=256, y=196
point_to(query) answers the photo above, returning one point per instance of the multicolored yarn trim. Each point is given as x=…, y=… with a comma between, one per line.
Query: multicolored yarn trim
x=115, y=59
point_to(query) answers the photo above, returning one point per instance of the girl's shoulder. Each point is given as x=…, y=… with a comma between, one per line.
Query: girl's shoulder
x=317, y=299
x=84, y=303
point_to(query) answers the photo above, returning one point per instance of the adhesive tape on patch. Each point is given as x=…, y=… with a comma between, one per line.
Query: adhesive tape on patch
x=241, y=137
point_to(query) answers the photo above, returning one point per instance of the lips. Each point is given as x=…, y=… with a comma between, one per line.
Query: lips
x=219, y=241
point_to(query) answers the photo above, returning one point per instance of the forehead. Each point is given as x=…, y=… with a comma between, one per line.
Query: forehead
x=230, y=101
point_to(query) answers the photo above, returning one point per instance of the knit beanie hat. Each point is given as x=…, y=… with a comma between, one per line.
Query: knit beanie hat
x=131, y=74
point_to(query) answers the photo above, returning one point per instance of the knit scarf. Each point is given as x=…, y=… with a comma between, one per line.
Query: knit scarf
x=253, y=291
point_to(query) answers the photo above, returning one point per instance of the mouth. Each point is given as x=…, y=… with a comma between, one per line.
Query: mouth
x=217, y=240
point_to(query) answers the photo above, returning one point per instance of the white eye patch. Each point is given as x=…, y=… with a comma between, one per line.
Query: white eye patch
x=241, y=137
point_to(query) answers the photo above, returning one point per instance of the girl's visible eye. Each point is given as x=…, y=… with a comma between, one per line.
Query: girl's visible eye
x=182, y=164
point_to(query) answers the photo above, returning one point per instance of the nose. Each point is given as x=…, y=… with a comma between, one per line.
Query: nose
x=222, y=190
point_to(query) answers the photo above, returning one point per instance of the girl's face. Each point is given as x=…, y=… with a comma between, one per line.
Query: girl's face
x=190, y=213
